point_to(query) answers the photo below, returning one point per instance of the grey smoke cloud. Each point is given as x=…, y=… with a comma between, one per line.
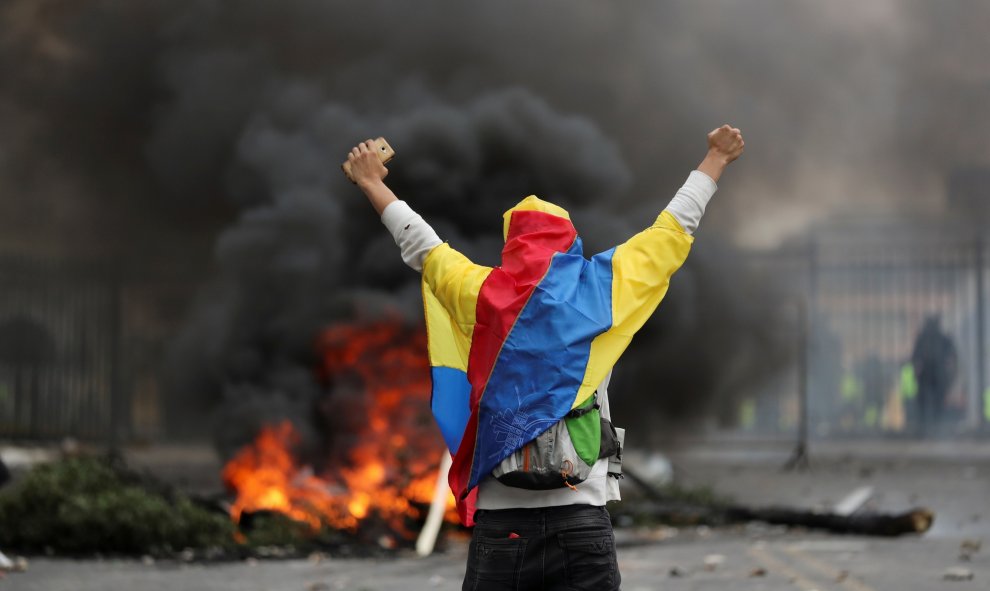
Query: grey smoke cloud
x=204, y=133
x=120, y=119
x=311, y=254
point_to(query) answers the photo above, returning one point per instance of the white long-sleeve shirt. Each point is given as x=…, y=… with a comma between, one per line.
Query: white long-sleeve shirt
x=415, y=239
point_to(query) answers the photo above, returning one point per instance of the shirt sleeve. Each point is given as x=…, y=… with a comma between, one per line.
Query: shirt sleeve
x=414, y=237
x=688, y=205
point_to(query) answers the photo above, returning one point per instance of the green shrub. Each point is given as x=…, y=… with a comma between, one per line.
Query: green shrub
x=84, y=505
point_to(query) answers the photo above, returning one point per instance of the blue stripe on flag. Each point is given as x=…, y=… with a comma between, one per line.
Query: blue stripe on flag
x=451, y=403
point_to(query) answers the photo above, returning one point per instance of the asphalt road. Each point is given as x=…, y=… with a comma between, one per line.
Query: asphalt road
x=687, y=561
x=951, y=479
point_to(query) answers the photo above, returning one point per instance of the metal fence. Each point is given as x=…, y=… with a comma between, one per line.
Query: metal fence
x=81, y=350
x=59, y=352
x=897, y=333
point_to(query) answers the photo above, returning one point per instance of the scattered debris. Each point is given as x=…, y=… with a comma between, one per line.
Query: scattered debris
x=915, y=521
x=758, y=572
x=276, y=551
x=854, y=501
x=213, y=553
x=317, y=586
x=970, y=546
x=676, y=572
x=957, y=573
x=713, y=561
x=842, y=576
x=653, y=467
x=387, y=542
x=18, y=565
x=147, y=560
x=434, y=518
x=702, y=507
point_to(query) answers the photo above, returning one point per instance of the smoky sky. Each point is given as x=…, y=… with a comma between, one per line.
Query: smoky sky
x=122, y=120
x=206, y=136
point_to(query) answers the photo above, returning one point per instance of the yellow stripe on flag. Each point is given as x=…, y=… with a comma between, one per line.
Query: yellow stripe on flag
x=451, y=283
x=641, y=271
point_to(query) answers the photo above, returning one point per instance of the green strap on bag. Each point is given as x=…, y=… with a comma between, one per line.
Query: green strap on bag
x=585, y=428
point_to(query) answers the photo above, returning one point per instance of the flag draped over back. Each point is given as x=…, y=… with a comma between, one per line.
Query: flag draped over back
x=514, y=348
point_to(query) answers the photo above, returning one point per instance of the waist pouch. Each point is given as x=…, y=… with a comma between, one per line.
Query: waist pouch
x=564, y=454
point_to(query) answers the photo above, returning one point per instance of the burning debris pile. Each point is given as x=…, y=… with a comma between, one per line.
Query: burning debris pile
x=364, y=487
x=388, y=472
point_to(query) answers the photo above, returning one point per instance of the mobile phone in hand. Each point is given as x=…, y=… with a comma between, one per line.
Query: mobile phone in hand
x=381, y=147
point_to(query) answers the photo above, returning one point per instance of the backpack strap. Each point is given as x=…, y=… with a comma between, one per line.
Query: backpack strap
x=583, y=410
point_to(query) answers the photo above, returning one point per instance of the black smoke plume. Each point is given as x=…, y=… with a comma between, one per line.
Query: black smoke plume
x=204, y=136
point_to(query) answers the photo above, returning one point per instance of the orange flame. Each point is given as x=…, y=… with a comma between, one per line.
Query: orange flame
x=391, y=466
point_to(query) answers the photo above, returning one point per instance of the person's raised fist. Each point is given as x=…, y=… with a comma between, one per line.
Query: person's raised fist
x=727, y=142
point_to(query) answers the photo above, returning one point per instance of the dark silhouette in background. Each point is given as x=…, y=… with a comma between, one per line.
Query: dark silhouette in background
x=935, y=364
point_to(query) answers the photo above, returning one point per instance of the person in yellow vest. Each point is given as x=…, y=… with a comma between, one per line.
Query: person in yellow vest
x=908, y=392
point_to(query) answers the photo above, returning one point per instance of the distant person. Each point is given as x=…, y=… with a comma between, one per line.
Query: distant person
x=907, y=390
x=876, y=377
x=520, y=349
x=935, y=363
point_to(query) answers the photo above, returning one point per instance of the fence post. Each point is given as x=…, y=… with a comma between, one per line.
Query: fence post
x=983, y=390
x=118, y=414
x=800, y=458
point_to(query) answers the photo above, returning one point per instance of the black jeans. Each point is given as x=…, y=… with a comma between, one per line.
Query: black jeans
x=567, y=547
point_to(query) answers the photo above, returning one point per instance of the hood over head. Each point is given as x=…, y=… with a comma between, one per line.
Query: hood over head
x=531, y=203
x=531, y=229
x=538, y=223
